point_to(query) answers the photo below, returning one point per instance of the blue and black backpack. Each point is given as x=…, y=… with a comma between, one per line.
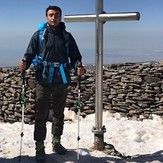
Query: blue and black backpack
x=45, y=70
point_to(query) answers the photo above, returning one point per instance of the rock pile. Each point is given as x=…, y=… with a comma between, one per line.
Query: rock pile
x=131, y=89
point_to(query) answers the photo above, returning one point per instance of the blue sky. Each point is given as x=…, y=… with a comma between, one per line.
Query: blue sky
x=124, y=41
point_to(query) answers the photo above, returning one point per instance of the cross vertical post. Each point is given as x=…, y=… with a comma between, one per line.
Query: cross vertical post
x=99, y=129
x=100, y=18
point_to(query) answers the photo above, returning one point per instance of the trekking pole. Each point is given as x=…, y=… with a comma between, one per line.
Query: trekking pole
x=78, y=107
x=23, y=107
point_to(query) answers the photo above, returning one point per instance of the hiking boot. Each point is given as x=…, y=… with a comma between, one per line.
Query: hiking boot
x=40, y=152
x=57, y=146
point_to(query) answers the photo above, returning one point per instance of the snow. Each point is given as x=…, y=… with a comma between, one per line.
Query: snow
x=142, y=140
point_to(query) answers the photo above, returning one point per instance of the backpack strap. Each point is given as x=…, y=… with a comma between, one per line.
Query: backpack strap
x=42, y=29
x=67, y=39
x=62, y=71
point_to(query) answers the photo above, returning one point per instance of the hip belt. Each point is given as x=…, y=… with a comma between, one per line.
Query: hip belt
x=51, y=67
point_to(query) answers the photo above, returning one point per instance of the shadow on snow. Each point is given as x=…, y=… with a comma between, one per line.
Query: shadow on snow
x=71, y=156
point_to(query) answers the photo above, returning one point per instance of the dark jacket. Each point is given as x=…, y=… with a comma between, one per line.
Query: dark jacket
x=53, y=49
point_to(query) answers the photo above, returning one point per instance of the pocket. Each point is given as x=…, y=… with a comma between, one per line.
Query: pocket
x=42, y=76
x=57, y=76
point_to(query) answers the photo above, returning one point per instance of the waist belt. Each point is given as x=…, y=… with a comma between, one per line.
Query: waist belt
x=55, y=64
x=51, y=66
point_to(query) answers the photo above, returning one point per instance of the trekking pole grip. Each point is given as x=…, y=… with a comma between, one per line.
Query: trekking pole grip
x=79, y=76
x=23, y=76
x=23, y=73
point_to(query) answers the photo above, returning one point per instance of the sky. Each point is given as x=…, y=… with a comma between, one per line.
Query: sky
x=124, y=41
x=141, y=140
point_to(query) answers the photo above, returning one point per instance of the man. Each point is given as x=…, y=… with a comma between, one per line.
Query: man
x=52, y=75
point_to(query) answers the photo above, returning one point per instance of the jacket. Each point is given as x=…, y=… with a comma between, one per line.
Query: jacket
x=53, y=49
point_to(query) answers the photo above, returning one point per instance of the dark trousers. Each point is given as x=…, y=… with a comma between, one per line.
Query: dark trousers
x=49, y=98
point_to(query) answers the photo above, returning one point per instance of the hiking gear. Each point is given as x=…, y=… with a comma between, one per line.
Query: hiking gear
x=78, y=113
x=57, y=146
x=40, y=152
x=47, y=68
x=23, y=107
x=53, y=47
x=49, y=98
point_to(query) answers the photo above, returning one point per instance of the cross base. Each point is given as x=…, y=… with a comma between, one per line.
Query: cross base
x=99, y=138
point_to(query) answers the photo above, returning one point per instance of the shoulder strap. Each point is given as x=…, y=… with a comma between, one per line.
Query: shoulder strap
x=66, y=36
x=42, y=30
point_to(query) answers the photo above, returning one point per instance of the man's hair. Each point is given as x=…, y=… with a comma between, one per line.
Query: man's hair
x=53, y=8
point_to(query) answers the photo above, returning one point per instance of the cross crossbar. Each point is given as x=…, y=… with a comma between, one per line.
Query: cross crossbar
x=103, y=17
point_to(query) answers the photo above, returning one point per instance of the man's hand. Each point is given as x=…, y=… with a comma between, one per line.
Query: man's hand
x=80, y=70
x=22, y=64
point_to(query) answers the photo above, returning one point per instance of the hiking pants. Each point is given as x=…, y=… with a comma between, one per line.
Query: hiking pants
x=49, y=98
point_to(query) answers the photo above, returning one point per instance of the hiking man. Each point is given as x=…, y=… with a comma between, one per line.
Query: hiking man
x=54, y=52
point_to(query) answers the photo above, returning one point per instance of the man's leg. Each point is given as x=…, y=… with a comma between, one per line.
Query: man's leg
x=59, y=100
x=42, y=106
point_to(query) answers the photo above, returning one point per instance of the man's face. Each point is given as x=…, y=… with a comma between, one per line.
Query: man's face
x=53, y=17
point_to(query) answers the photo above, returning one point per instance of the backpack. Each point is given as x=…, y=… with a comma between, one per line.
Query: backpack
x=45, y=70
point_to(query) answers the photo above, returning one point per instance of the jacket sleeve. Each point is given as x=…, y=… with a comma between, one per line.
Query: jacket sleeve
x=32, y=49
x=75, y=55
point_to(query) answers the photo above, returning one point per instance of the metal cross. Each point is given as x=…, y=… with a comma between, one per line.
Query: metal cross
x=100, y=18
